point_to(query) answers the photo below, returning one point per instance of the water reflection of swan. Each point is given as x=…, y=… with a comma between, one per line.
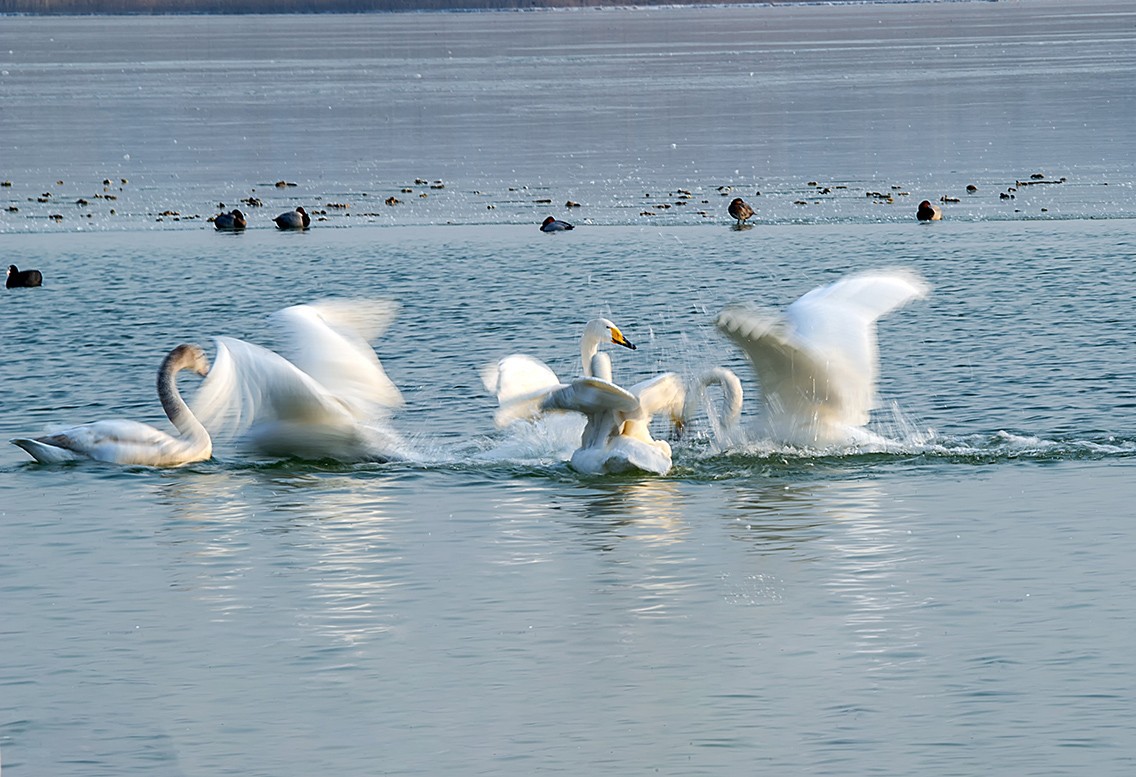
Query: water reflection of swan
x=121, y=441
x=331, y=400
x=817, y=363
x=520, y=382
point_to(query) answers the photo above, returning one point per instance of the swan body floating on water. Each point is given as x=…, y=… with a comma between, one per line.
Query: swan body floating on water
x=293, y=219
x=233, y=221
x=331, y=400
x=22, y=279
x=121, y=441
x=817, y=363
x=617, y=436
x=520, y=382
x=551, y=224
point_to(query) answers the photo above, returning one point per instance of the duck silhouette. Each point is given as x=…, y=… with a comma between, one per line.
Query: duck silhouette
x=293, y=219
x=23, y=279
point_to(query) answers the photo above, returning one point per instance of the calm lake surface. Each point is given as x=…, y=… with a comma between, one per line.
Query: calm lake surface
x=959, y=605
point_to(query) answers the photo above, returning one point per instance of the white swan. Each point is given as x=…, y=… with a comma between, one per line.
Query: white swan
x=617, y=437
x=121, y=441
x=520, y=382
x=724, y=420
x=817, y=364
x=330, y=401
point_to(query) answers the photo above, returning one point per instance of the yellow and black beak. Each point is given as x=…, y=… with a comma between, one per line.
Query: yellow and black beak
x=618, y=338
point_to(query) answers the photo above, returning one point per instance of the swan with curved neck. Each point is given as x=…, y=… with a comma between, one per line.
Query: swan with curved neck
x=120, y=441
x=723, y=419
x=520, y=381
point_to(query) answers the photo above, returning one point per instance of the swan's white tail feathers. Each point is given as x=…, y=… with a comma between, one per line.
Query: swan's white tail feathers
x=44, y=454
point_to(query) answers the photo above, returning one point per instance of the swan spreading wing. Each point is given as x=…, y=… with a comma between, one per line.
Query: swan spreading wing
x=328, y=401
x=520, y=383
x=330, y=341
x=818, y=363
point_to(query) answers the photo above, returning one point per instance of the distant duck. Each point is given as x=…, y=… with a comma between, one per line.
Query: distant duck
x=740, y=210
x=293, y=219
x=555, y=225
x=23, y=279
x=230, y=222
x=929, y=212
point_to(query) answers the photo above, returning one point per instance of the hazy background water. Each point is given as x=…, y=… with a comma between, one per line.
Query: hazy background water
x=958, y=606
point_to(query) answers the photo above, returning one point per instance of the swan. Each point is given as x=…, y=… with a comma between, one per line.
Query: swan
x=330, y=401
x=929, y=212
x=551, y=224
x=740, y=210
x=817, y=363
x=520, y=381
x=293, y=219
x=724, y=420
x=120, y=441
x=22, y=279
x=233, y=221
x=617, y=436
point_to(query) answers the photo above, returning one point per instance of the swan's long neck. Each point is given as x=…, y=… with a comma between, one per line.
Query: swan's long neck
x=589, y=345
x=731, y=409
x=190, y=429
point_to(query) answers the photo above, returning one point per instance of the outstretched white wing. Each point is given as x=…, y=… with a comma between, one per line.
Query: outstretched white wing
x=249, y=384
x=590, y=396
x=817, y=364
x=520, y=384
x=665, y=393
x=330, y=341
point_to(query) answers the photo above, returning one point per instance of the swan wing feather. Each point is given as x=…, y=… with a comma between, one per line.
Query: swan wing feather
x=836, y=325
x=249, y=384
x=590, y=396
x=330, y=342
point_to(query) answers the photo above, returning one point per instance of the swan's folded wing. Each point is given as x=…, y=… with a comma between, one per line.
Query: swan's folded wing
x=590, y=396
x=249, y=384
x=330, y=342
x=795, y=382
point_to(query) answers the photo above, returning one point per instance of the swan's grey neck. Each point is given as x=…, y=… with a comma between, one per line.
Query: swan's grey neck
x=176, y=409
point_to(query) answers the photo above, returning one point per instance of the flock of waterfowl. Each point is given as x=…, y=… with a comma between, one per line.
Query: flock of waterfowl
x=119, y=199
x=815, y=365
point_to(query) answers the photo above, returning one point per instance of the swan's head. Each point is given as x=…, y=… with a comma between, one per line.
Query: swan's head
x=601, y=330
x=188, y=357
